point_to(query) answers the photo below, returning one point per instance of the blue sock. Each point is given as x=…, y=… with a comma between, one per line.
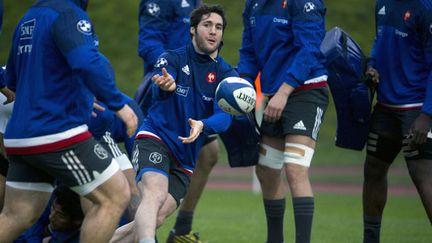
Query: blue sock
x=372, y=228
x=274, y=210
x=303, y=216
x=183, y=225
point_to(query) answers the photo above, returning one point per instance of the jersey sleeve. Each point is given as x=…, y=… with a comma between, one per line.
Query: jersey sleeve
x=309, y=29
x=154, y=20
x=247, y=66
x=169, y=61
x=426, y=32
x=73, y=35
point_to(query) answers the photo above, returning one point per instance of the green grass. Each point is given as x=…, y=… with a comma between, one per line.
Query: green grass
x=237, y=217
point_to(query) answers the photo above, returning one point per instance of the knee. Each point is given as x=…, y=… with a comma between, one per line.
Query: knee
x=23, y=218
x=265, y=173
x=375, y=169
x=296, y=173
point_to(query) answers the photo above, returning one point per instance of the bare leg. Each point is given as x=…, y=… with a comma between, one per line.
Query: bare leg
x=374, y=186
x=421, y=174
x=207, y=160
x=21, y=210
x=109, y=202
x=135, y=197
x=154, y=190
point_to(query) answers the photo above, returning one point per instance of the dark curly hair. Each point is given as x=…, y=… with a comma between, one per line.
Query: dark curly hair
x=204, y=9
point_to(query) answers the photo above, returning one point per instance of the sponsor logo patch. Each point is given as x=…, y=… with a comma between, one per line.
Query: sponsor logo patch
x=153, y=9
x=155, y=158
x=100, y=152
x=182, y=91
x=309, y=6
x=161, y=62
x=85, y=27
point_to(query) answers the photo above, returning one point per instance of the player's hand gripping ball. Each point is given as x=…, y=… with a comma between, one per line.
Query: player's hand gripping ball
x=235, y=96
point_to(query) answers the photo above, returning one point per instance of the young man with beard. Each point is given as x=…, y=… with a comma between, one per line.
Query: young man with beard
x=183, y=113
x=56, y=71
x=164, y=25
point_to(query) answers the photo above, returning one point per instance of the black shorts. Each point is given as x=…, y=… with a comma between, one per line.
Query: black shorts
x=152, y=155
x=302, y=115
x=209, y=139
x=388, y=134
x=4, y=164
x=111, y=146
x=82, y=166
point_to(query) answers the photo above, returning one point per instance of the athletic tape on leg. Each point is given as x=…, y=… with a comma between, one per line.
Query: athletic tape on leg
x=296, y=153
x=271, y=157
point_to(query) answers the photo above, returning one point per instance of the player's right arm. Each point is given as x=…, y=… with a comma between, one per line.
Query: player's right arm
x=153, y=19
x=73, y=34
x=247, y=66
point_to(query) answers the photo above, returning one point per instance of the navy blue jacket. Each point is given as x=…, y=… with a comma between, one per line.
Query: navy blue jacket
x=56, y=70
x=163, y=25
x=281, y=39
x=402, y=54
x=197, y=77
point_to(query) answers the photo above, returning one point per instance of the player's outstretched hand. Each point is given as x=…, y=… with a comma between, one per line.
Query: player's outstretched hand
x=129, y=117
x=165, y=82
x=10, y=95
x=196, y=129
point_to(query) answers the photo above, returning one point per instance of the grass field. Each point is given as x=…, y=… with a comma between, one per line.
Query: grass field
x=238, y=217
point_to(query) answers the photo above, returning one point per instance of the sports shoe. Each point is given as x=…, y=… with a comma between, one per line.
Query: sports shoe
x=192, y=237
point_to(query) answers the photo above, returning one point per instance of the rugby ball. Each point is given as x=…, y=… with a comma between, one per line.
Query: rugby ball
x=235, y=96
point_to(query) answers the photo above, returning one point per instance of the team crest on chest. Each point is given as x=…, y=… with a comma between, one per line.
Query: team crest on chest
x=211, y=77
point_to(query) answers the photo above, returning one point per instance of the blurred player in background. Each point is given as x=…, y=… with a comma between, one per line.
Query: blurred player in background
x=281, y=39
x=401, y=119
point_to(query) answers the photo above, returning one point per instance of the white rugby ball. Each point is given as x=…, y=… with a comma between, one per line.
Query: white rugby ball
x=235, y=96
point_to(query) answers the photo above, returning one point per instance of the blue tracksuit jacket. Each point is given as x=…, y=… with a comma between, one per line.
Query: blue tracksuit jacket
x=197, y=77
x=56, y=70
x=163, y=25
x=402, y=54
x=281, y=39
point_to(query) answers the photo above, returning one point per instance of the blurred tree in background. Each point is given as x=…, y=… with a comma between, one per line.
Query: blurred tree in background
x=116, y=24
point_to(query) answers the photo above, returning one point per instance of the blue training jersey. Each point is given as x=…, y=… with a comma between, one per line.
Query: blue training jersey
x=402, y=54
x=163, y=25
x=56, y=70
x=281, y=39
x=108, y=121
x=197, y=77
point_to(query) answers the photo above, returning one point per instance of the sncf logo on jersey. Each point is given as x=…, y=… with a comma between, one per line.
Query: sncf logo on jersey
x=26, y=36
x=85, y=27
x=27, y=29
x=153, y=9
x=211, y=77
x=309, y=6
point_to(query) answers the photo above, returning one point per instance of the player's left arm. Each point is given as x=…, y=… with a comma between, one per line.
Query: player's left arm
x=308, y=27
x=421, y=126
